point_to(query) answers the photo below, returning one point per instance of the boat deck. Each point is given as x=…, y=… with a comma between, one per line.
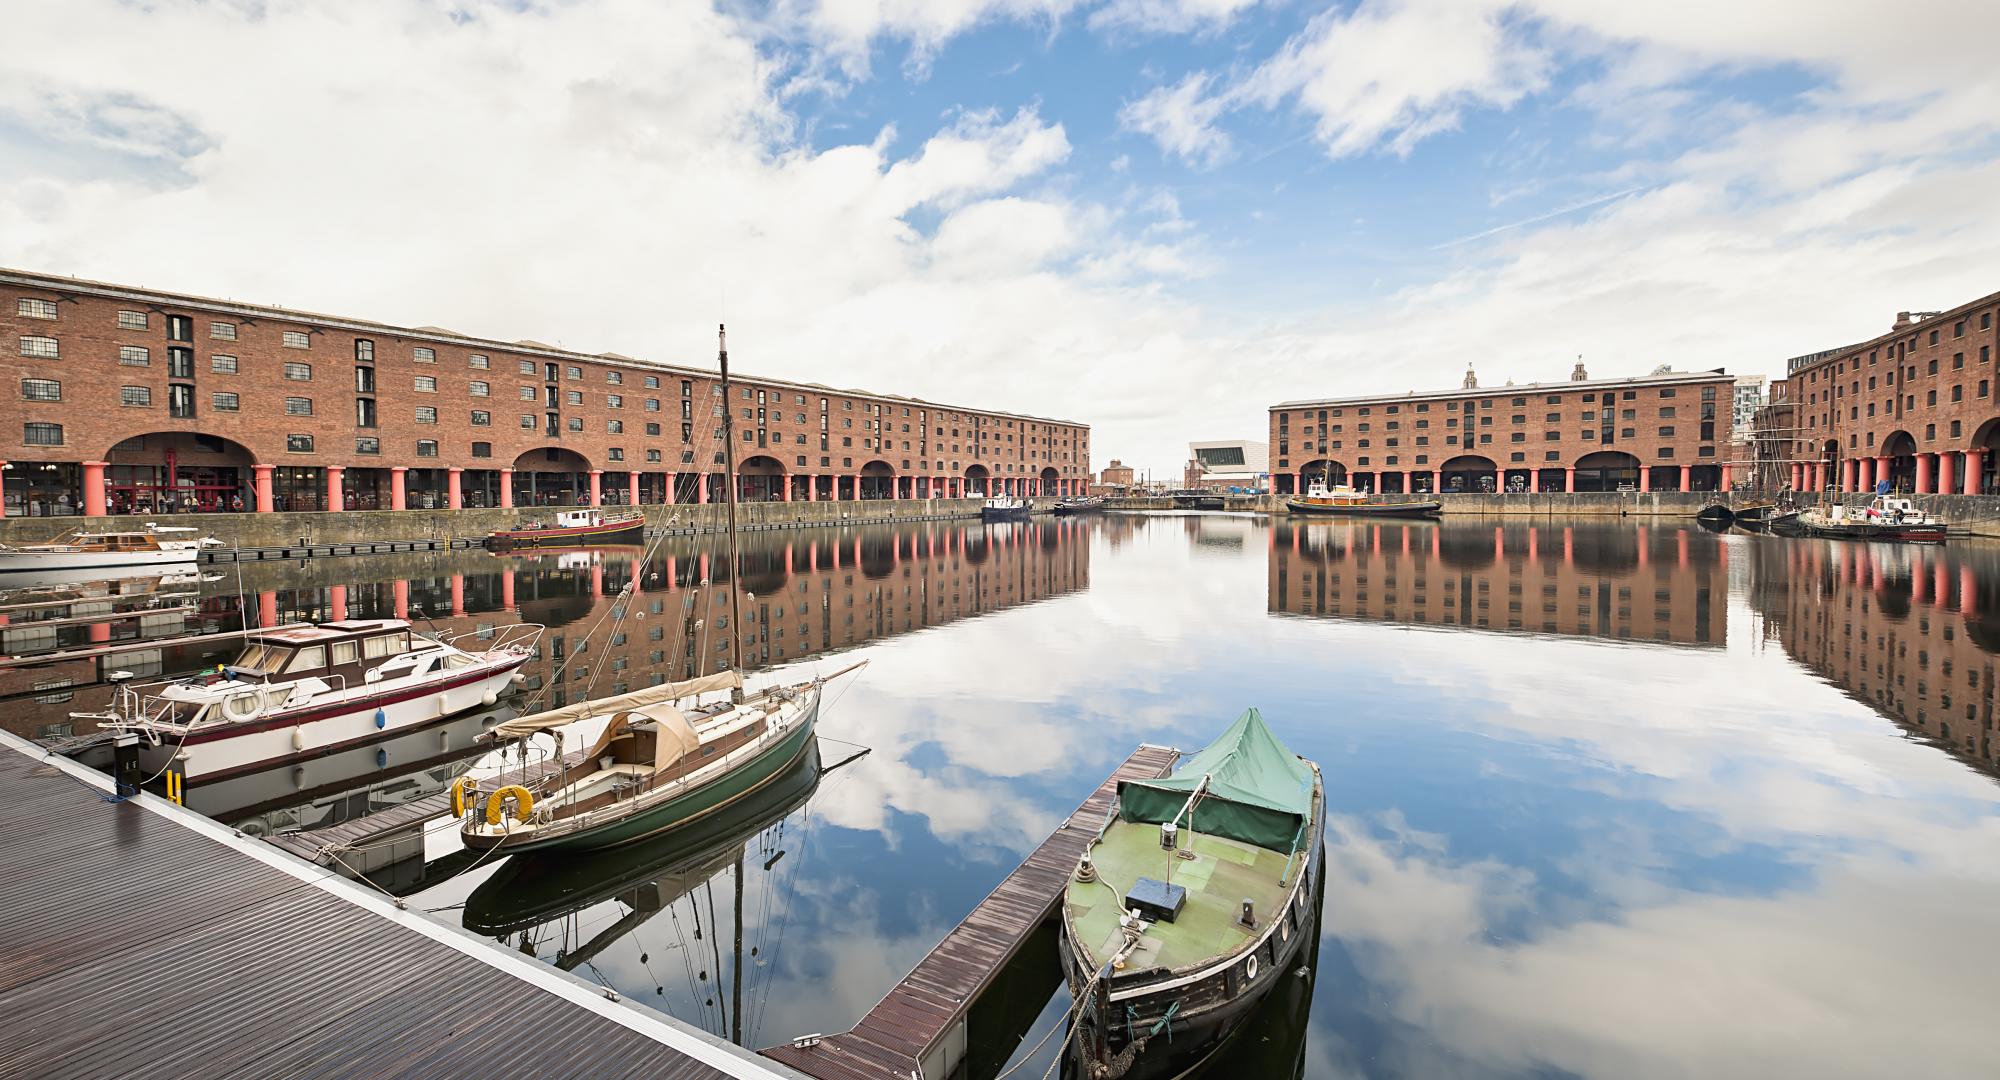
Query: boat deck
x=146, y=940
x=1221, y=876
x=893, y=1041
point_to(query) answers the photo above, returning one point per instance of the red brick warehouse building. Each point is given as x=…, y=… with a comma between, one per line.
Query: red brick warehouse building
x=131, y=399
x=1663, y=432
x=1915, y=407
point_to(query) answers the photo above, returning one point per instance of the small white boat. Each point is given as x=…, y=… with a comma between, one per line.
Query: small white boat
x=1004, y=508
x=154, y=547
x=305, y=691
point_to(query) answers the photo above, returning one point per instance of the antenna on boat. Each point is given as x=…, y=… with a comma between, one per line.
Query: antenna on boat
x=729, y=464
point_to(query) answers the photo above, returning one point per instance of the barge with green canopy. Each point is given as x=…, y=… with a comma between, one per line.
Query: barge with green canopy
x=1195, y=899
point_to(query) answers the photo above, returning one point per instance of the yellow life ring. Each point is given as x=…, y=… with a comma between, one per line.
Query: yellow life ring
x=524, y=803
x=461, y=788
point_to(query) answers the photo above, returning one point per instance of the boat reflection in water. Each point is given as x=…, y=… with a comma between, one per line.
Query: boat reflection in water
x=541, y=899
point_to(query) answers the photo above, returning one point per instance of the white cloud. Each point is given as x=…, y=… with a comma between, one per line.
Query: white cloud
x=1167, y=16
x=1182, y=119
x=1393, y=72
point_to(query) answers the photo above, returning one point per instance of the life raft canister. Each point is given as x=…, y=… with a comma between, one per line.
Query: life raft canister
x=524, y=803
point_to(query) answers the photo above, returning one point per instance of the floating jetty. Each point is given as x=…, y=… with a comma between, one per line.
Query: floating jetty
x=147, y=940
x=918, y=1028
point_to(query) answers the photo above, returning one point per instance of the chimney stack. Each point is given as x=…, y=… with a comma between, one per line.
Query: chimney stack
x=1902, y=320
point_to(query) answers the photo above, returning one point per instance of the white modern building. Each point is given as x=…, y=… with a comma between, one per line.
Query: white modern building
x=1229, y=465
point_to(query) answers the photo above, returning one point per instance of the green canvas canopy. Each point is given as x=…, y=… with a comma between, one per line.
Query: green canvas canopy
x=1259, y=792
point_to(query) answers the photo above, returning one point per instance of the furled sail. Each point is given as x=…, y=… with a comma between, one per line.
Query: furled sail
x=522, y=726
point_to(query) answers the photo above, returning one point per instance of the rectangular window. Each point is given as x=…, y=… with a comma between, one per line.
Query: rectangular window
x=615, y=378
x=427, y=414
x=364, y=412
x=299, y=339
x=133, y=320
x=367, y=444
x=653, y=405
x=478, y=360
x=180, y=328
x=614, y=401
x=482, y=449
x=42, y=434
x=478, y=389
x=527, y=367
x=575, y=372
x=615, y=454
x=481, y=418
x=527, y=420
x=180, y=362
x=31, y=308
x=426, y=384
x=134, y=356
x=364, y=350
x=574, y=397
x=299, y=372
x=41, y=389
x=222, y=365
x=298, y=406
x=653, y=456
x=652, y=382
x=299, y=444
x=364, y=380
x=222, y=331
x=615, y=427
x=222, y=401
x=527, y=393
x=654, y=429
x=42, y=347
x=576, y=423
x=427, y=448
x=424, y=354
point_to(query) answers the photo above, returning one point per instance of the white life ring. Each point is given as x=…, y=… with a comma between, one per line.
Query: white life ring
x=1250, y=969
x=238, y=708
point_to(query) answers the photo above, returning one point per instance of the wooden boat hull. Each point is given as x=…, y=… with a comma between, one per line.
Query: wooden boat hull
x=628, y=531
x=1013, y=513
x=1430, y=508
x=669, y=814
x=1916, y=534
x=534, y=889
x=1202, y=1032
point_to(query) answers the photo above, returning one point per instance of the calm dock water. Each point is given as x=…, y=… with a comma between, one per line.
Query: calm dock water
x=1605, y=799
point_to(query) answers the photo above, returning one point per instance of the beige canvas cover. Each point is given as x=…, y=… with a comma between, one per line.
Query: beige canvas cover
x=663, y=694
x=674, y=737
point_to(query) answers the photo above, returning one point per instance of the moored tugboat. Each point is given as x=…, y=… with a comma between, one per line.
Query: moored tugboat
x=1004, y=508
x=1195, y=900
x=573, y=528
x=1886, y=517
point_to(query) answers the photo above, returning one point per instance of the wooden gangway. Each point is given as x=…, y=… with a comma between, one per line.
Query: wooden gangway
x=918, y=1028
x=145, y=940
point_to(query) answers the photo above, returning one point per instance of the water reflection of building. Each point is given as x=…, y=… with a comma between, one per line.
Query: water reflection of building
x=1591, y=580
x=805, y=593
x=1909, y=631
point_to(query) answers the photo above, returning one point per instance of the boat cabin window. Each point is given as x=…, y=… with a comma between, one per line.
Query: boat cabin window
x=346, y=652
x=312, y=658
x=255, y=657
x=385, y=645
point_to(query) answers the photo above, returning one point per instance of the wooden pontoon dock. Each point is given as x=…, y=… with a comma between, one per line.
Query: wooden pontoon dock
x=918, y=1028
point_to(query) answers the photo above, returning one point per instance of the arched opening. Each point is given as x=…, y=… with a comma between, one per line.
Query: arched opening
x=1469, y=472
x=1518, y=480
x=1830, y=459
x=976, y=481
x=1987, y=438
x=760, y=478
x=551, y=476
x=1551, y=479
x=1901, y=450
x=1607, y=470
x=1050, y=481
x=1322, y=471
x=178, y=472
x=878, y=480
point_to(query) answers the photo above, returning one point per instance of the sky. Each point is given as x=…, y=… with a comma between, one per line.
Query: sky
x=1156, y=217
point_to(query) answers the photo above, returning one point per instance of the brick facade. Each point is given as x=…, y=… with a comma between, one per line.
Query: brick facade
x=1916, y=407
x=249, y=399
x=1668, y=432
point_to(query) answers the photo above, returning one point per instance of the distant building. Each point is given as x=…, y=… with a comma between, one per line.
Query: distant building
x=1116, y=475
x=1749, y=395
x=1667, y=431
x=1230, y=464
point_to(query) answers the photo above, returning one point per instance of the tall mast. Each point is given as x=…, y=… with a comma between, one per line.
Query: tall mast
x=729, y=463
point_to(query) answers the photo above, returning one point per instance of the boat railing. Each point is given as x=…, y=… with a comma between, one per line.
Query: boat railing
x=522, y=638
